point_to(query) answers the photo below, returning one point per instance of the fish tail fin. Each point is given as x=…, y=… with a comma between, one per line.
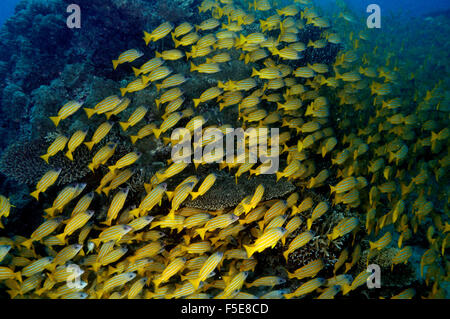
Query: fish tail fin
x=195, y=195
x=147, y=37
x=45, y=157
x=158, y=87
x=187, y=239
x=157, y=132
x=289, y=296
x=250, y=250
x=89, y=144
x=172, y=34
x=332, y=189
x=279, y=175
x=91, y=167
x=193, y=66
x=196, y=102
x=157, y=282
x=434, y=136
x=286, y=255
x=147, y=187
x=55, y=120
x=247, y=207
x=106, y=190
x=290, y=276
x=346, y=289
x=69, y=155
x=51, y=267
x=240, y=20
x=18, y=276
x=392, y=157
x=134, y=138
x=111, y=270
x=145, y=79
x=263, y=25
x=112, y=167
x=27, y=243
x=35, y=194
x=166, y=140
x=134, y=212
x=61, y=237
x=195, y=283
x=41, y=291
x=123, y=91
x=107, y=222
x=348, y=266
x=214, y=240
x=99, y=294
x=13, y=293
x=309, y=222
x=171, y=214
x=136, y=71
x=201, y=232
x=124, y=125
x=247, y=58
x=115, y=63
x=89, y=112
x=254, y=72
x=157, y=54
x=98, y=190
x=242, y=38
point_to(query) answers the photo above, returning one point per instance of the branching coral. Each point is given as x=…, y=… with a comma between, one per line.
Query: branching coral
x=20, y=161
x=226, y=193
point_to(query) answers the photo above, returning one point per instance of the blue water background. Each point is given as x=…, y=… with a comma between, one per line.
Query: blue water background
x=7, y=9
x=408, y=7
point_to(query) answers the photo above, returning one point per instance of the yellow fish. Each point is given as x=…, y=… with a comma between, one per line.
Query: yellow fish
x=58, y=145
x=206, y=68
x=127, y=56
x=134, y=118
x=160, y=32
x=65, y=111
x=268, y=239
x=208, y=182
x=101, y=131
x=125, y=160
x=47, y=180
x=75, y=140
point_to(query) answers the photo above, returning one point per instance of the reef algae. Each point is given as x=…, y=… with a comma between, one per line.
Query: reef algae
x=362, y=122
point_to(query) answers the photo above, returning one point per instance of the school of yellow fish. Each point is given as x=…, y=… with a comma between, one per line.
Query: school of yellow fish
x=348, y=114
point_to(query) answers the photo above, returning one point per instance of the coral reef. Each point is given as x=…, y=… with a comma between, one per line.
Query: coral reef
x=21, y=162
x=46, y=71
x=43, y=69
x=226, y=193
